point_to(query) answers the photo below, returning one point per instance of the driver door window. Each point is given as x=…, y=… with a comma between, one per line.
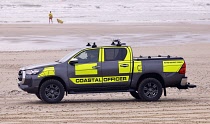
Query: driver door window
x=88, y=56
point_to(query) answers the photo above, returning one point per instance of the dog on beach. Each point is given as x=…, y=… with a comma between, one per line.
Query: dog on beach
x=59, y=21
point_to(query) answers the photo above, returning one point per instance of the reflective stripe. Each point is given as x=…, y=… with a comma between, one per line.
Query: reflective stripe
x=48, y=71
x=97, y=80
x=112, y=79
x=87, y=80
x=128, y=57
x=137, y=67
x=172, y=65
x=86, y=69
x=122, y=67
x=101, y=55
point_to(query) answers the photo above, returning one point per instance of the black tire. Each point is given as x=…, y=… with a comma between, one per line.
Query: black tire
x=38, y=96
x=135, y=94
x=52, y=91
x=150, y=89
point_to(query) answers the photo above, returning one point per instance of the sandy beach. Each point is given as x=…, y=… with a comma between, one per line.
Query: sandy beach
x=179, y=106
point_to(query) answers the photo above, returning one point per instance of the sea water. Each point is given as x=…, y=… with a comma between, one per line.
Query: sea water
x=105, y=11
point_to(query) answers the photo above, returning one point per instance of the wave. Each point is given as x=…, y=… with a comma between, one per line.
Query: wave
x=3, y=21
x=36, y=11
x=30, y=5
x=23, y=21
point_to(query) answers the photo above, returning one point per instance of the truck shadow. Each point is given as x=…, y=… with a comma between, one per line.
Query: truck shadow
x=102, y=101
x=123, y=100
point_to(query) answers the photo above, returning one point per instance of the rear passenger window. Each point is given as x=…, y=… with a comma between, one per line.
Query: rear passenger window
x=114, y=54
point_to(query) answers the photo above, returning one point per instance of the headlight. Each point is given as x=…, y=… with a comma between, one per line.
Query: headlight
x=33, y=71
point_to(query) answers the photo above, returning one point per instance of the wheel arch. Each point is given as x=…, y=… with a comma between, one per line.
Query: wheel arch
x=55, y=78
x=152, y=75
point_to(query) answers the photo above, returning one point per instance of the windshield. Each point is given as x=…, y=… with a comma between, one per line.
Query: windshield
x=68, y=56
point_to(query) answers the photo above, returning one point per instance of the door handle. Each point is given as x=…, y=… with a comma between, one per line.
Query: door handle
x=96, y=67
x=124, y=65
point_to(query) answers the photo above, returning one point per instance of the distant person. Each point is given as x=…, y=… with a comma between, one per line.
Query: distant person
x=50, y=17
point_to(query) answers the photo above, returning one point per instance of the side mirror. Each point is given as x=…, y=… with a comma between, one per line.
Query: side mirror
x=73, y=61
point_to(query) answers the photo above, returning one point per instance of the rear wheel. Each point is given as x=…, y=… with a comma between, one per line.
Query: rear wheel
x=51, y=91
x=135, y=94
x=150, y=89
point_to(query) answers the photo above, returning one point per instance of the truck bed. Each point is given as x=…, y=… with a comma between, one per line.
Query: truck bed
x=159, y=57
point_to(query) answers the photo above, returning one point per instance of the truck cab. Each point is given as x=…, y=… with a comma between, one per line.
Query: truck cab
x=100, y=68
x=104, y=69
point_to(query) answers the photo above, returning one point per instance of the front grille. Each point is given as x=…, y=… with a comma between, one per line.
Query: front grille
x=20, y=77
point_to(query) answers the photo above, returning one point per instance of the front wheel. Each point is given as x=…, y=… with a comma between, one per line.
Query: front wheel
x=51, y=91
x=150, y=89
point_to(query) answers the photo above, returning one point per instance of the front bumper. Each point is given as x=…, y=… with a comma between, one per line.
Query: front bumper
x=28, y=83
x=28, y=88
x=185, y=85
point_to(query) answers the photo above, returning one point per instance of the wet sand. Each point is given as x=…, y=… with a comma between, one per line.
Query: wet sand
x=179, y=106
x=85, y=29
x=21, y=37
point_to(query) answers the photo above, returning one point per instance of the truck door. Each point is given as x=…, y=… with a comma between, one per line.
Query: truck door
x=116, y=67
x=86, y=73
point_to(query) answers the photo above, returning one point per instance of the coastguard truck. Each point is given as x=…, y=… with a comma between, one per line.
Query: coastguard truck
x=105, y=69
